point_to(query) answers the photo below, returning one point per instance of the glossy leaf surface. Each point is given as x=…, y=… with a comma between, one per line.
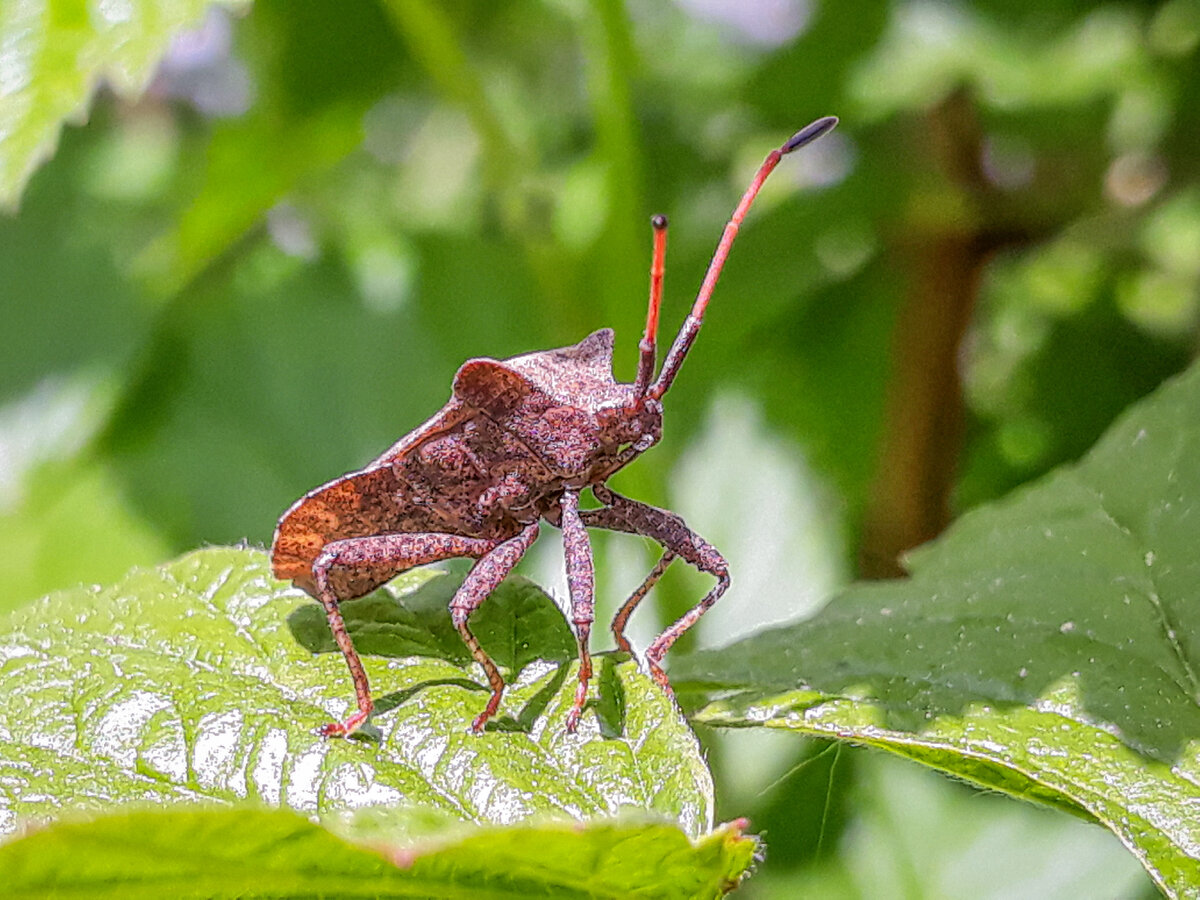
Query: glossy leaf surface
x=1046, y=646
x=189, y=682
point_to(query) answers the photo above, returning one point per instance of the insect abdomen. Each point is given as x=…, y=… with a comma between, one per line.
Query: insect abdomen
x=460, y=481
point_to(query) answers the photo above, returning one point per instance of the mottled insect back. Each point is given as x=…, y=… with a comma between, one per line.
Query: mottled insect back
x=552, y=401
x=516, y=444
x=581, y=375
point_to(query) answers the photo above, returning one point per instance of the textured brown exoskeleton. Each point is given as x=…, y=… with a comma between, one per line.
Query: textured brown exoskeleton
x=517, y=442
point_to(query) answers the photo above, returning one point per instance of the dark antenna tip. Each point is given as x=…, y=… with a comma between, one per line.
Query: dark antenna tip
x=658, y=223
x=810, y=133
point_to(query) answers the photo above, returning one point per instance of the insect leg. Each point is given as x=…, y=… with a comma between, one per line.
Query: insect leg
x=621, y=619
x=581, y=581
x=338, y=575
x=483, y=578
x=672, y=533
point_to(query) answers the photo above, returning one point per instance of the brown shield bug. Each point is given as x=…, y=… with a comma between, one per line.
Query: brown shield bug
x=517, y=443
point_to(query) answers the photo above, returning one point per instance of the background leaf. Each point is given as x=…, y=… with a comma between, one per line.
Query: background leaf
x=246, y=852
x=185, y=682
x=1046, y=646
x=61, y=51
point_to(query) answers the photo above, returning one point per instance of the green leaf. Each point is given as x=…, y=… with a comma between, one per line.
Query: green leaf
x=251, y=163
x=186, y=682
x=1046, y=646
x=244, y=852
x=320, y=69
x=57, y=51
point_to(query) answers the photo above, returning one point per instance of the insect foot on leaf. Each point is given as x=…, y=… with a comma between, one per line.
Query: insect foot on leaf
x=516, y=443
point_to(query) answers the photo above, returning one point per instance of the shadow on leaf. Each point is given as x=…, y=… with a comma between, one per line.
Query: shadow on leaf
x=517, y=624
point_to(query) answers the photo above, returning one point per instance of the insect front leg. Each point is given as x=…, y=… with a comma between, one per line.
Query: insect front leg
x=483, y=578
x=352, y=567
x=672, y=533
x=581, y=582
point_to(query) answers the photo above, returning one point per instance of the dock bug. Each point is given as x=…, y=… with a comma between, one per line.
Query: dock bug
x=516, y=444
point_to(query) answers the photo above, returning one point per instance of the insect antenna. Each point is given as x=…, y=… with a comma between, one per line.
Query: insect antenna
x=648, y=344
x=691, y=325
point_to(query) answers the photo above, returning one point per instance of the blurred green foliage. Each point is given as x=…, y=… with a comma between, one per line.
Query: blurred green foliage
x=265, y=268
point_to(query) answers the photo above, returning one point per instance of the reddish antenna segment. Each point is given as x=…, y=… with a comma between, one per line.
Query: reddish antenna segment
x=691, y=325
x=649, y=342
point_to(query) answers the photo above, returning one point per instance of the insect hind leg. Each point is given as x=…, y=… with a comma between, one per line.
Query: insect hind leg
x=484, y=577
x=352, y=567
